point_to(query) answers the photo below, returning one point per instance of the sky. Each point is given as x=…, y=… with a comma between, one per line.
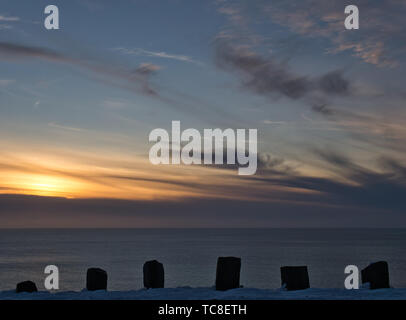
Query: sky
x=77, y=106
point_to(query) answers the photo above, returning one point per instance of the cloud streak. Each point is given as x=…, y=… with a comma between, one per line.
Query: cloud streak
x=58, y=126
x=266, y=76
x=380, y=23
x=351, y=185
x=158, y=54
x=135, y=80
x=9, y=18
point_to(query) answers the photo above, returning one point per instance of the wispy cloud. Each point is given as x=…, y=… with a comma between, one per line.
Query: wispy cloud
x=9, y=18
x=134, y=80
x=234, y=14
x=378, y=41
x=58, y=126
x=114, y=104
x=157, y=54
x=269, y=77
x=373, y=42
x=272, y=122
x=306, y=200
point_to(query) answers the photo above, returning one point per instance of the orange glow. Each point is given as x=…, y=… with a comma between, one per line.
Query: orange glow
x=57, y=173
x=82, y=175
x=41, y=185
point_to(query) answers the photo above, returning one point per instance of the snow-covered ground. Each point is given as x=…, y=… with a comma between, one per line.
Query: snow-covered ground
x=187, y=293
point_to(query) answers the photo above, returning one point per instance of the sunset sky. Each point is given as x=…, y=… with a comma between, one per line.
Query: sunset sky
x=77, y=106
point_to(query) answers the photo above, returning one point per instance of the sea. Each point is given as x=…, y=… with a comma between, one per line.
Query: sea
x=190, y=255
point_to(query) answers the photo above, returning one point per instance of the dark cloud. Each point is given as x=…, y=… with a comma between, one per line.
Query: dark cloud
x=378, y=41
x=354, y=185
x=323, y=109
x=195, y=186
x=16, y=51
x=334, y=83
x=264, y=76
x=143, y=73
x=269, y=77
x=265, y=162
x=270, y=164
x=128, y=78
x=137, y=80
x=394, y=166
x=34, y=211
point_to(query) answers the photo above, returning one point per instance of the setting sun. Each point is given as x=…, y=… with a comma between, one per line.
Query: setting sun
x=43, y=185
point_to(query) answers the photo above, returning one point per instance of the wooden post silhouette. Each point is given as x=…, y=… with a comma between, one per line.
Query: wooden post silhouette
x=295, y=278
x=377, y=274
x=154, y=274
x=26, y=286
x=228, y=273
x=96, y=279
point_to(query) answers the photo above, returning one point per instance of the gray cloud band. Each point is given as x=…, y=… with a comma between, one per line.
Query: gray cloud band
x=268, y=77
x=137, y=80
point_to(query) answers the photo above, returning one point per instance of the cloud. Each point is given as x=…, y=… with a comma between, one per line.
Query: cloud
x=301, y=211
x=378, y=41
x=114, y=104
x=58, y=126
x=275, y=165
x=134, y=80
x=385, y=133
x=9, y=18
x=143, y=73
x=323, y=109
x=334, y=83
x=351, y=195
x=272, y=122
x=15, y=51
x=266, y=76
x=263, y=76
x=147, y=68
x=352, y=184
x=234, y=14
x=157, y=54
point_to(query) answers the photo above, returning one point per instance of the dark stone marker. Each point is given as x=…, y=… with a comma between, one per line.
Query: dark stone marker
x=295, y=278
x=26, y=286
x=377, y=274
x=228, y=273
x=154, y=275
x=96, y=279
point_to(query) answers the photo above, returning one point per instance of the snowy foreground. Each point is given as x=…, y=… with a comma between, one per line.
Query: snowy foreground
x=187, y=293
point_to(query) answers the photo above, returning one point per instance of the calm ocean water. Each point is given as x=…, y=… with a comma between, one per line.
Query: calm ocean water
x=189, y=255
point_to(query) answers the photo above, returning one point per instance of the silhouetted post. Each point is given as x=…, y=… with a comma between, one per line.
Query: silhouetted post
x=228, y=273
x=96, y=279
x=154, y=275
x=26, y=286
x=295, y=278
x=377, y=274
